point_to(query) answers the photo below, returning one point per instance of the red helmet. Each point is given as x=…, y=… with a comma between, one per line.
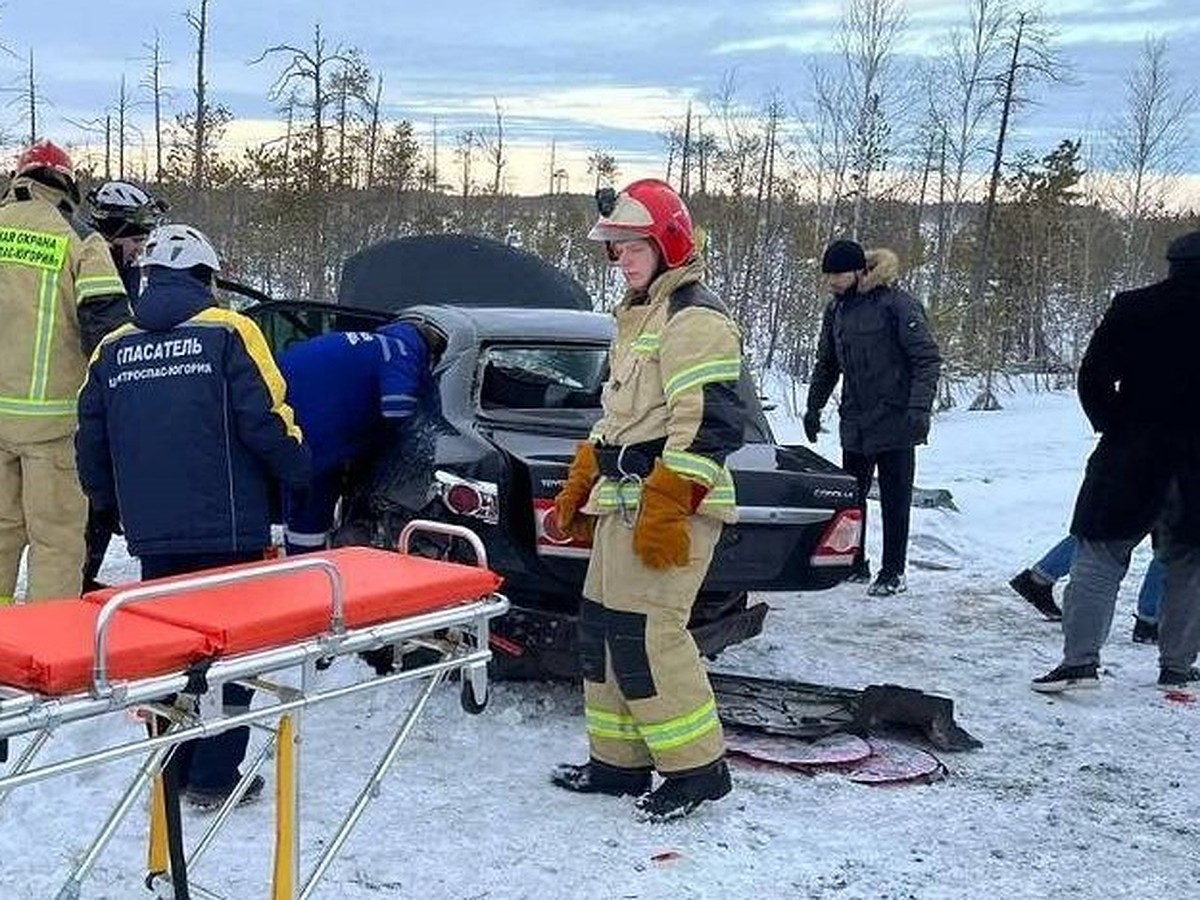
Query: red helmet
x=647, y=209
x=45, y=155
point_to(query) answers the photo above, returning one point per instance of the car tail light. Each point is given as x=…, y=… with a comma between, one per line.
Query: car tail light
x=552, y=540
x=469, y=498
x=841, y=540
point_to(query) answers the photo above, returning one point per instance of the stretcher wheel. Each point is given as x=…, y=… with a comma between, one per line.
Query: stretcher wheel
x=474, y=699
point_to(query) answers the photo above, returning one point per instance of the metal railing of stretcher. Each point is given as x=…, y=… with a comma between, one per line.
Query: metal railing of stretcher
x=454, y=636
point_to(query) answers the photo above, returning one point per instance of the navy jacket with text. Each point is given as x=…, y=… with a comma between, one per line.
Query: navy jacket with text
x=183, y=424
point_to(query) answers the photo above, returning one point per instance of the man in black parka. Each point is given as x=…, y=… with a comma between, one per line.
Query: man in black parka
x=1139, y=385
x=875, y=337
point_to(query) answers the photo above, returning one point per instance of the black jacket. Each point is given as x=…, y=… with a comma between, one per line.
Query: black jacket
x=877, y=340
x=1139, y=385
x=183, y=425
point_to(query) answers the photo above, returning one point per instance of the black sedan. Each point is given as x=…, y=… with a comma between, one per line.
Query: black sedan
x=519, y=389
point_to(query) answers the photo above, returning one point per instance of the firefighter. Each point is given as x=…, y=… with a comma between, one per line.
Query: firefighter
x=183, y=427
x=59, y=295
x=652, y=488
x=124, y=214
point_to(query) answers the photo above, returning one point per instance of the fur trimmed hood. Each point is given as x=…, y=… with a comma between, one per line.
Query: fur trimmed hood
x=883, y=268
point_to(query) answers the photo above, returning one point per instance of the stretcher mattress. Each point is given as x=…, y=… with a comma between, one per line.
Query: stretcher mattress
x=48, y=647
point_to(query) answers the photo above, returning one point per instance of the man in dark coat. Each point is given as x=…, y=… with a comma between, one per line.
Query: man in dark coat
x=875, y=337
x=1139, y=385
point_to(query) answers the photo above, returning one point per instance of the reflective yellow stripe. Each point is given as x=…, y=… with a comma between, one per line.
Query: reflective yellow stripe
x=612, y=495
x=725, y=369
x=23, y=406
x=97, y=286
x=614, y=726
x=43, y=336
x=701, y=468
x=681, y=730
x=260, y=355
x=36, y=249
x=647, y=343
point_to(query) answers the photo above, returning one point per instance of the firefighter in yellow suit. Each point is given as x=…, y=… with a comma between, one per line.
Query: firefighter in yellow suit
x=59, y=295
x=652, y=488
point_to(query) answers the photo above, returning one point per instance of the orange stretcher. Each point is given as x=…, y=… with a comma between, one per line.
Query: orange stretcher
x=165, y=648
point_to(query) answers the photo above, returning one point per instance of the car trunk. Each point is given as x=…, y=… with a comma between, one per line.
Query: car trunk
x=787, y=498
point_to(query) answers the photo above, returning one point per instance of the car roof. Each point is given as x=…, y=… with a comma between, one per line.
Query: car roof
x=516, y=323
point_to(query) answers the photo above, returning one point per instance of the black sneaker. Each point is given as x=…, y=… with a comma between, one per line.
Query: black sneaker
x=595, y=777
x=1144, y=631
x=886, y=585
x=1067, y=678
x=207, y=799
x=679, y=795
x=860, y=573
x=1177, y=678
x=1040, y=594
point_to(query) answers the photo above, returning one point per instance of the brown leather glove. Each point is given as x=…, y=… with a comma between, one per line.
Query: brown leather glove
x=574, y=494
x=661, y=536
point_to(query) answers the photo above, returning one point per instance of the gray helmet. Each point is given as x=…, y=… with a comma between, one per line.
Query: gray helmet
x=120, y=209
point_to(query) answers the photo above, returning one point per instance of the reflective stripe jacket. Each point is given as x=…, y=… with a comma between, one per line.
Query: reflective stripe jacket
x=674, y=370
x=50, y=269
x=183, y=425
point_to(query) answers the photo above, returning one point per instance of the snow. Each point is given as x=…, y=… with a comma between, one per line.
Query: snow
x=1090, y=795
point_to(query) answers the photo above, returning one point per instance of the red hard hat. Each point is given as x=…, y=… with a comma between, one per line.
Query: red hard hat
x=45, y=155
x=648, y=209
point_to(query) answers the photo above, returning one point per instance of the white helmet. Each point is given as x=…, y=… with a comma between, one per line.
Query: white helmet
x=119, y=208
x=178, y=247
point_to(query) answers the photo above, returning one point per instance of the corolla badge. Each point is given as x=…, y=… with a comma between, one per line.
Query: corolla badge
x=832, y=494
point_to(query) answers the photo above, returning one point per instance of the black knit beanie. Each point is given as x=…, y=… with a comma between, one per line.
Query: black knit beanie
x=843, y=256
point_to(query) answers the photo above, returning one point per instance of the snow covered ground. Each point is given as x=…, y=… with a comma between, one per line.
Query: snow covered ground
x=1091, y=796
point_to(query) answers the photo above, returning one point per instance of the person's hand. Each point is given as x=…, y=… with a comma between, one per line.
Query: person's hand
x=661, y=537
x=574, y=494
x=917, y=421
x=812, y=425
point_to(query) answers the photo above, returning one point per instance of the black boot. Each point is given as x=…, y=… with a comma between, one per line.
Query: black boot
x=595, y=777
x=679, y=795
x=1038, y=593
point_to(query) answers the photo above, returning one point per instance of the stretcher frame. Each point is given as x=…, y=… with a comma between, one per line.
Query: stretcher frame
x=458, y=634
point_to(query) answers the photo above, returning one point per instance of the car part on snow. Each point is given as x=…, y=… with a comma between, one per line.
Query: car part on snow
x=874, y=760
x=810, y=711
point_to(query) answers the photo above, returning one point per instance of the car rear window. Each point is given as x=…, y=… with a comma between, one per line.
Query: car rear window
x=543, y=376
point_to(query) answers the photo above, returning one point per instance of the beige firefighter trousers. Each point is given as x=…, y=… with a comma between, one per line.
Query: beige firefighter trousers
x=42, y=505
x=647, y=697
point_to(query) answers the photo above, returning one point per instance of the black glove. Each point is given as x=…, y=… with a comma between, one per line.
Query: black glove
x=812, y=425
x=918, y=425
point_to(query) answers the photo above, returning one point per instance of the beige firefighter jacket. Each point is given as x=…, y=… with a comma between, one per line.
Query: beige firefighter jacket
x=49, y=267
x=674, y=371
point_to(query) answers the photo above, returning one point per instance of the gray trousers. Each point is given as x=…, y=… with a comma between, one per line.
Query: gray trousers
x=1091, y=595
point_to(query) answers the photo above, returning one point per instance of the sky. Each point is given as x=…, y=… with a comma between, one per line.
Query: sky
x=1086, y=796
x=585, y=76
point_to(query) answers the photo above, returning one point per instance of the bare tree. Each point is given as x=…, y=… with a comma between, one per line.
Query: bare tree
x=152, y=82
x=25, y=97
x=202, y=115
x=1147, y=142
x=867, y=40
x=492, y=145
x=1030, y=58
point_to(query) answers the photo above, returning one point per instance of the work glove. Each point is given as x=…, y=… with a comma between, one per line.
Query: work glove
x=917, y=421
x=812, y=425
x=574, y=494
x=661, y=537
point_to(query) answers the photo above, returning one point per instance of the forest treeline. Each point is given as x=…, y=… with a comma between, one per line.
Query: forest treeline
x=1014, y=252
